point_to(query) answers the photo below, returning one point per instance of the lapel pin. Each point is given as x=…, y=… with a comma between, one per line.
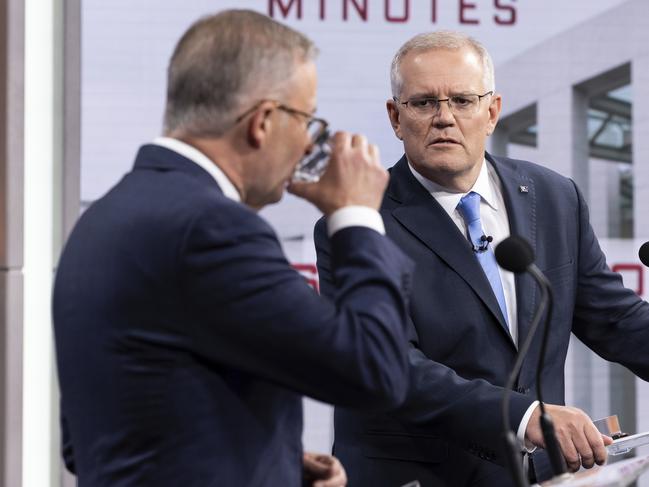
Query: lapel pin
x=523, y=189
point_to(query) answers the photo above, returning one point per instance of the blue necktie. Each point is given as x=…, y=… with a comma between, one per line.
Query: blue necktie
x=469, y=208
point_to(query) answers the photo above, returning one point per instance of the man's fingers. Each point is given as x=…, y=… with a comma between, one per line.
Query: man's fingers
x=583, y=447
x=340, y=141
x=318, y=470
x=568, y=430
x=325, y=470
x=314, y=465
x=581, y=442
x=359, y=141
x=569, y=451
x=374, y=154
x=336, y=478
x=596, y=441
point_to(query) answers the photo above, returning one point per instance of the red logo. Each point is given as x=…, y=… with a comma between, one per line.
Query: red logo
x=627, y=271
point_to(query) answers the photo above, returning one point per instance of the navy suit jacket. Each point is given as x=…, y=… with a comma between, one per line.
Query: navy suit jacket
x=462, y=352
x=184, y=338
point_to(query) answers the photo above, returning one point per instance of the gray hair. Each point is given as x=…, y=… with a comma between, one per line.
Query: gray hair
x=443, y=39
x=226, y=62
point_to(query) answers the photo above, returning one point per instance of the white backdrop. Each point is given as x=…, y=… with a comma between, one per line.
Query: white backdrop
x=126, y=45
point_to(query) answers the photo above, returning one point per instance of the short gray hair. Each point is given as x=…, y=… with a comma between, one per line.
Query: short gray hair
x=443, y=39
x=226, y=61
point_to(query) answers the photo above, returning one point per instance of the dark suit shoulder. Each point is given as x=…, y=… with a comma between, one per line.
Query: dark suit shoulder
x=188, y=196
x=551, y=187
x=531, y=169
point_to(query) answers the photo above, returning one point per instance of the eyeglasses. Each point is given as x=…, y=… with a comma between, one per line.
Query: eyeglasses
x=315, y=126
x=461, y=106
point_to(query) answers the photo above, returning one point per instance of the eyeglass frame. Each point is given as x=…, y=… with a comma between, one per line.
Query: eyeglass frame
x=440, y=100
x=310, y=119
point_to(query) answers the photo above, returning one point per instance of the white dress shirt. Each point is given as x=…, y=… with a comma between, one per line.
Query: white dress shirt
x=493, y=215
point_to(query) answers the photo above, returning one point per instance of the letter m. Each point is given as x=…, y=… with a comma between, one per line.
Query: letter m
x=284, y=9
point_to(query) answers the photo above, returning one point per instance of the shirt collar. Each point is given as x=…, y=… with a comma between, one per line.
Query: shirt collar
x=449, y=199
x=202, y=160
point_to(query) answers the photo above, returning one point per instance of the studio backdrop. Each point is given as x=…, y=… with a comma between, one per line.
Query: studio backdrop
x=575, y=83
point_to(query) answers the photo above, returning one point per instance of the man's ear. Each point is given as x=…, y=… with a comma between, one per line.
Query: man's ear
x=260, y=125
x=393, y=114
x=494, y=112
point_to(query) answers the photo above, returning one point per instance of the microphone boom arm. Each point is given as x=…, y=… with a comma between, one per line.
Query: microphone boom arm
x=551, y=443
x=514, y=460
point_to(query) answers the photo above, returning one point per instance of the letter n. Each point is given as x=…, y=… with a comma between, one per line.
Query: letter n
x=361, y=10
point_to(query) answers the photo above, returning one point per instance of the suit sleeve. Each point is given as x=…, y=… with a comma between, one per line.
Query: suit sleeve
x=253, y=312
x=467, y=412
x=609, y=318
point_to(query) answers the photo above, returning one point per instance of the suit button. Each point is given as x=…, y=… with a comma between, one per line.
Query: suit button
x=522, y=390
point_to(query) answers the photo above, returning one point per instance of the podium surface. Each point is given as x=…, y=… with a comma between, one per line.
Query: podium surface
x=617, y=474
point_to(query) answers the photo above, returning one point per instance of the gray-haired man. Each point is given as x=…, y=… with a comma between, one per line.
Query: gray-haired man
x=468, y=317
x=184, y=338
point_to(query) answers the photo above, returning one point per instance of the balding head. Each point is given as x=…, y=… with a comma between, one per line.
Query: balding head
x=224, y=63
x=440, y=40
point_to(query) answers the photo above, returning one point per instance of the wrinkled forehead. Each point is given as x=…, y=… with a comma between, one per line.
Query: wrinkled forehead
x=442, y=72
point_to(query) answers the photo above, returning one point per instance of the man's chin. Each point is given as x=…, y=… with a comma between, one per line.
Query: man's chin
x=448, y=150
x=442, y=168
x=446, y=163
x=276, y=196
x=269, y=199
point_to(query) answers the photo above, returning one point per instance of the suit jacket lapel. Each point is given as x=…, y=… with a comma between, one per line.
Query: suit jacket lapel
x=519, y=194
x=422, y=216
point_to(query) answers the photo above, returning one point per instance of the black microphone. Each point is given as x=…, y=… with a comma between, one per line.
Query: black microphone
x=516, y=255
x=486, y=240
x=643, y=253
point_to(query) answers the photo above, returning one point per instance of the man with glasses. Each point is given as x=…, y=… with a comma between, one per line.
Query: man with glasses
x=447, y=205
x=184, y=338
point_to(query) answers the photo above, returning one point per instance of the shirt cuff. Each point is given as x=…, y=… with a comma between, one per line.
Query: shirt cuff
x=522, y=427
x=355, y=216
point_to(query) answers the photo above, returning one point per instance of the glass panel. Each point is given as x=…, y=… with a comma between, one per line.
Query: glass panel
x=609, y=125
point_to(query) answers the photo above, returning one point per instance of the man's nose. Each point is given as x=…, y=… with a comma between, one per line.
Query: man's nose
x=444, y=117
